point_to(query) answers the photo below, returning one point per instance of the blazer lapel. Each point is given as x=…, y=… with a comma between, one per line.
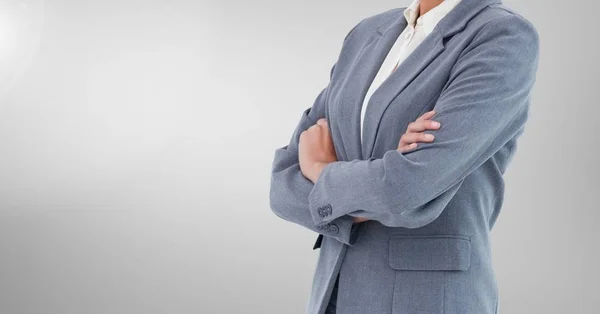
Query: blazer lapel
x=422, y=56
x=359, y=78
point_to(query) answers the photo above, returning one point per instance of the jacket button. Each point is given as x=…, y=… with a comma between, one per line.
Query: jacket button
x=334, y=228
x=325, y=210
x=320, y=211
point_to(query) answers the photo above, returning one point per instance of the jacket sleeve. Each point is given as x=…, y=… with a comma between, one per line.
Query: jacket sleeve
x=289, y=189
x=485, y=103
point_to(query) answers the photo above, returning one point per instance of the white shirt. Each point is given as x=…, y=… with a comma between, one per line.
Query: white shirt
x=409, y=39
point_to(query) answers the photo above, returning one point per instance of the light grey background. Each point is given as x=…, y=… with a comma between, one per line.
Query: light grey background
x=136, y=140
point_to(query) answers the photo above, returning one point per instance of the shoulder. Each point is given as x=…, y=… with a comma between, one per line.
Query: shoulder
x=370, y=23
x=499, y=33
x=499, y=21
x=502, y=44
x=373, y=21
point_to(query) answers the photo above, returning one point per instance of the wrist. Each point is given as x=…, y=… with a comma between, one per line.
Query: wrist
x=317, y=169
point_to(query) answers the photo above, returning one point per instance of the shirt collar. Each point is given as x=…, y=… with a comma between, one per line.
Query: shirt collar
x=430, y=19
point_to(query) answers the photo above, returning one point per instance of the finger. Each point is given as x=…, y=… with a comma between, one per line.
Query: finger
x=409, y=138
x=407, y=148
x=422, y=125
x=322, y=122
x=426, y=115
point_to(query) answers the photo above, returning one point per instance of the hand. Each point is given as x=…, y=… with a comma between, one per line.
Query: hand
x=315, y=150
x=359, y=219
x=414, y=132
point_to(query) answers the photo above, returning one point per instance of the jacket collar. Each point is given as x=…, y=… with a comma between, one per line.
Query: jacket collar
x=430, y=19
x=453, y=22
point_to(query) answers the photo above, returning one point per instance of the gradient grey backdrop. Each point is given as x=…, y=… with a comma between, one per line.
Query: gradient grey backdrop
x=136, y=140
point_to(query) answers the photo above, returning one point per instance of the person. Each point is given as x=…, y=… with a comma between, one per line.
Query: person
x=398, y=165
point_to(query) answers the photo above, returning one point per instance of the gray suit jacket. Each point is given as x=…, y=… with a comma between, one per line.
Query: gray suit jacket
x=426, y=248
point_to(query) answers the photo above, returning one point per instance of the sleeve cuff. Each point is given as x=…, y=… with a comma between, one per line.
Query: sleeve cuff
x=342, y=229
x=320, y=210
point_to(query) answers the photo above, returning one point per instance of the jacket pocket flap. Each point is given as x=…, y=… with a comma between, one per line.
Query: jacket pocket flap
x=430, y=252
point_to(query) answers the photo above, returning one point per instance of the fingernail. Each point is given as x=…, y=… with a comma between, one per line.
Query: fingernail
x=435, y=124
x=429, y=136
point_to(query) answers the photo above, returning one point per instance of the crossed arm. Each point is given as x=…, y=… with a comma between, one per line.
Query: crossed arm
x=290, y=188
x=483, y=106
